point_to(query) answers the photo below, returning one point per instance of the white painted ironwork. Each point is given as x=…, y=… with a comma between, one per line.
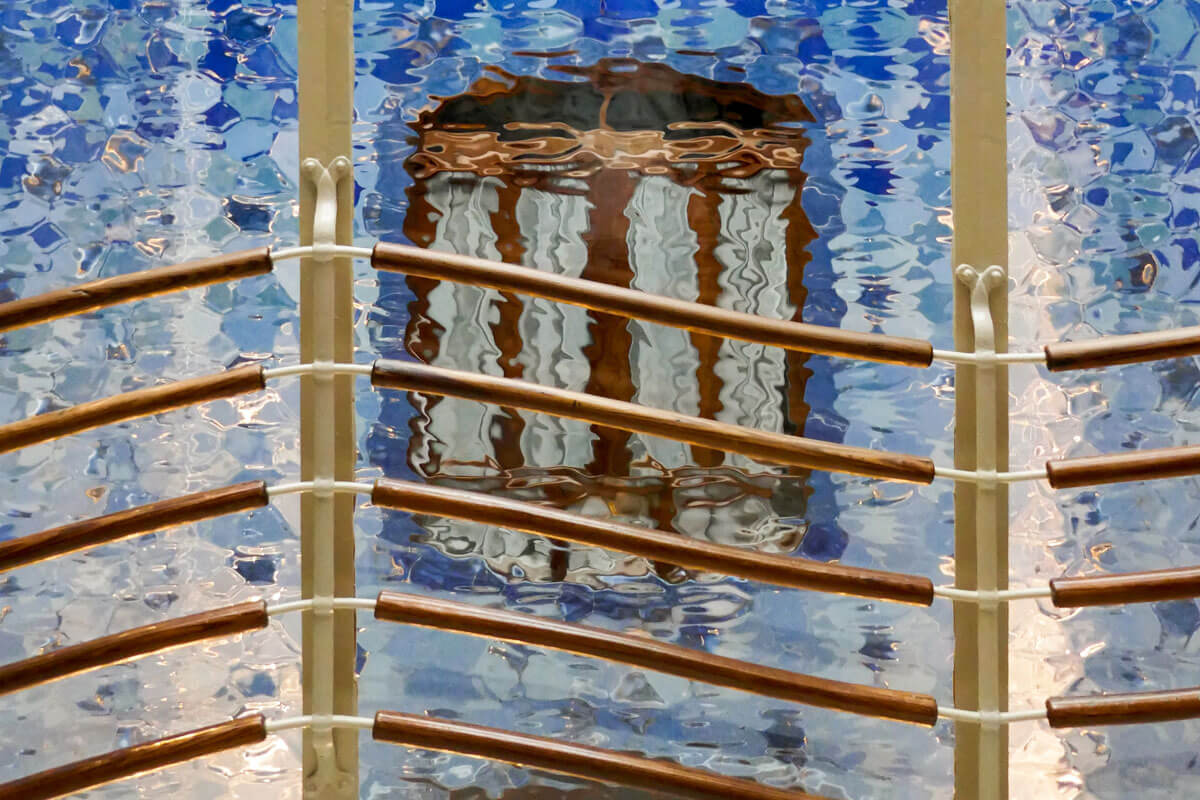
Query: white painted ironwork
x=989, y=536
x=324, y=444
x=319, y=721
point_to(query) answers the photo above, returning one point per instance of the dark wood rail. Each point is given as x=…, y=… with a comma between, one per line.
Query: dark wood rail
x=1140, y=465
x=775, y=448
x=568, y=758
x=126, y=645
x=652, y=308
x=1123, y=709
x=138, y=403
x=127, y=762
x=1109, y=351
x=133, y=286
x=648, y=653
x=1178, y=583
x=131, y=522
x=771, y=568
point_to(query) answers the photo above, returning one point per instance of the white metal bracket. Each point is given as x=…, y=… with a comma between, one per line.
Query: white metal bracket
x=325, y=215
x=991, y=537
x=328, y=779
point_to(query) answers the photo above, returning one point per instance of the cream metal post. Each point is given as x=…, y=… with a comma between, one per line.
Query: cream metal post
x=325, y=61
x=991, y=542
x=320, y=663
x=979, y=187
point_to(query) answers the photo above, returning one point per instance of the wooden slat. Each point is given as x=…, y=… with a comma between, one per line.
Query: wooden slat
x=115, y=648
x=775, y=448
x=568, y=758
x=602, y=297
x=1178, y=583
x=643, y=651
x=99, y=294
x=138, y=403
x=1141, y=465
x=1109, y=351
x=119, y=525
x=1123, y=709
x=769, y=568
x=89, y=773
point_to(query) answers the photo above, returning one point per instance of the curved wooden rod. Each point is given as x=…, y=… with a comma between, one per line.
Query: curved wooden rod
x=641, y=651
x=779, y=570
x=105, y=292
x=1108, y=351
x=773, y=448
x=1140, y=465
x=115, y=648
x=119, y=525
x=1177, y=583
x=623, y=302
x=569, y=758
x=1123, y=709
x=140, y=758
x=138, y=403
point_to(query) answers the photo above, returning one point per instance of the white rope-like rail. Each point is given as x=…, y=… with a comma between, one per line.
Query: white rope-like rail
x=982, y=476
x=944, y=712
x=309, y=604
x=322, y=721
x=950, y=473
x=948, y=356
x=952, y=593
x=317, y=368
x=337, y=250
x=357, y=487
x=954, y=357
x=1104, y=351
x=991, y=597
x=337, y=487
x=990, y=717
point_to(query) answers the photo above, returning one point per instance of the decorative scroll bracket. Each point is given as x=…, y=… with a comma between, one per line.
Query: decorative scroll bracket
x=982, y=284
x=325, y=215
x=326, y=778
x=991, y=537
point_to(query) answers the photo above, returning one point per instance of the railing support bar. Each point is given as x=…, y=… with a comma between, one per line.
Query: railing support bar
x=979, y=187
x=325, y=39
x=321, y=558
x=991, y=535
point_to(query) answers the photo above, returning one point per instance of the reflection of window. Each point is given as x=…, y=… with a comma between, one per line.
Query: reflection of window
x=618, y=114
x=642, y=177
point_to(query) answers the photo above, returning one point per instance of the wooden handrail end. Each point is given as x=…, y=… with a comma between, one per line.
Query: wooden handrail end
x=138, y=759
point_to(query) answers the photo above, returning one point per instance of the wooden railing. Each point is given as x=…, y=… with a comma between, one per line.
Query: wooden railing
x=779, y=570
x=95, y=295
x=568, y=758
x=423, y=499
x=98, y=770
x=774, y=448
x=97, y=531
x=710, y=320
x=115, y=648
x=130, y=405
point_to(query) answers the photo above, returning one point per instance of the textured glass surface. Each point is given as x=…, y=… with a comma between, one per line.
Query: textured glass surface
x=147, y=133
x=461, y=106
x=1104, y=204
x=136, y=134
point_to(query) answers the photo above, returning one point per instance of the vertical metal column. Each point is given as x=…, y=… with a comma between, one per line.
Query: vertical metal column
x=979, y=164
x=327, y=444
